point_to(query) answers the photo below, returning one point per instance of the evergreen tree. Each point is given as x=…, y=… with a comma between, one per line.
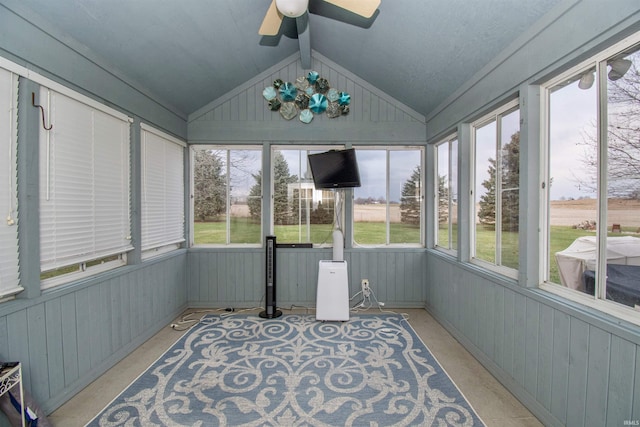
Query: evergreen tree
x=321, y=215
x=510, y=195
x=443, y=199
x=511, y=184
x=208, y=185
x=281, y=179
x=255, y=201
x=410, y=199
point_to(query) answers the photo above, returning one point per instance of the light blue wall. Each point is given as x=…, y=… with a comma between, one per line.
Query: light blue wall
x=235, y=277
x=570, y=365
x=33, y=43
x=67, y=336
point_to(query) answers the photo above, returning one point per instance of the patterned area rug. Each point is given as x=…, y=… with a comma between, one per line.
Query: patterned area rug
x=242, y=370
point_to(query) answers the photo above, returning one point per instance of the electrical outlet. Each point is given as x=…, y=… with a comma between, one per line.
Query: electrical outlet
x=366, y=291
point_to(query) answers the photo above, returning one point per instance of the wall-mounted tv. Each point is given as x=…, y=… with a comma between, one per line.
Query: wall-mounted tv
x=335, y=169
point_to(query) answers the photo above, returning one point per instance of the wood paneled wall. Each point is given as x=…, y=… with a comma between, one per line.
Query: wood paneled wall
x=236, y=277
x=66, y=339
x=569, y=368
x=243, y=114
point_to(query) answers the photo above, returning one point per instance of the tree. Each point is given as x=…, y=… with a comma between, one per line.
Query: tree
x=281, y=180
x=623, y=137
x=443, y=199
x=321, y=215
x=255, y=201
x=410, y=199
x=509, y=189
x=209, y=182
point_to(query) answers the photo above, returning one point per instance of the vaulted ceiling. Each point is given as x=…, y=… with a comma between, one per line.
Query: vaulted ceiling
x=188, y=53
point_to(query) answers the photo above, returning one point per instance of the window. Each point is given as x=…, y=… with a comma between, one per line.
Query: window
x=388, y=206
x=227, y=195
x=593, y=176
x=496, y=145
x=84, y=187
x=162, y=191
x=9, y=272
x=446, y=192
x=301, y=214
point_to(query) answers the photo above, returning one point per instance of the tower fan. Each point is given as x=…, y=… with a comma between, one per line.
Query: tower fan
x=270, y=311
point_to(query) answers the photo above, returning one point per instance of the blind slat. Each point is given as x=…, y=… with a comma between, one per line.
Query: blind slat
x=9, y=262
x=84, y=181
x=162, y=189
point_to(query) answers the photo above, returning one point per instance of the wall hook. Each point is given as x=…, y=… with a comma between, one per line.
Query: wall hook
x=33, y=102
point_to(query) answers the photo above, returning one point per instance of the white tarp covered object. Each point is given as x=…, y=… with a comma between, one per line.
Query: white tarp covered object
x=581, y=256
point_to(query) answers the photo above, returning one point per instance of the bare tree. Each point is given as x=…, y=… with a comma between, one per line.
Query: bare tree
x=623, y=137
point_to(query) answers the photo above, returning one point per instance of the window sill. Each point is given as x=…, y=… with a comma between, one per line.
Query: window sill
x=618, y=311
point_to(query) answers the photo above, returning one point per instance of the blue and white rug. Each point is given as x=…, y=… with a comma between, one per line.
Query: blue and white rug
x=242, y=370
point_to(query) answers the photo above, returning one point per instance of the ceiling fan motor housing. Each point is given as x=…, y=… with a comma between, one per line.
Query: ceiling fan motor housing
x=292, y=8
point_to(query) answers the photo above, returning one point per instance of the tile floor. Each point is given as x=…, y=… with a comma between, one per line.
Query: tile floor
x=495, y=405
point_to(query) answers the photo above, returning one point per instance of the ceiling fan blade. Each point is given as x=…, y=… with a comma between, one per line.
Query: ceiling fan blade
x=271, y=22
x=364, y=8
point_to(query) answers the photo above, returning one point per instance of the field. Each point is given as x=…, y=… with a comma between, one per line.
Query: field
x=565, y=215
x=571, y=212
x=563, y=212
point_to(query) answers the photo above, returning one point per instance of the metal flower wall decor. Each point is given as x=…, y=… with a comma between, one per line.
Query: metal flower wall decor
x=307, y=97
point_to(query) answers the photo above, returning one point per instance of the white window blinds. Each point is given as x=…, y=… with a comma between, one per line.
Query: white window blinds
x=84, y=181
x=9, y=270
x=162, y=189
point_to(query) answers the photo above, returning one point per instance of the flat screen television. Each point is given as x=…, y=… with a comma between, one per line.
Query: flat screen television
x=335, y=169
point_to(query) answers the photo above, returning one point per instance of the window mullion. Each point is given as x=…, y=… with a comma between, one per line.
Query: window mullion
x=387, y=196
x=228, y=196
x=498, y=190
x=602, y=188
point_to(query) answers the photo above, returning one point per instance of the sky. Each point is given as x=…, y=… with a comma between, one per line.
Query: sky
x=572, y=117
x=372, y=168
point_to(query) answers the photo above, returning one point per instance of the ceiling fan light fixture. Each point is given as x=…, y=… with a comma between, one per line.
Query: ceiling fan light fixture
x=619, y=68
x=292, y=8
x=586, y=81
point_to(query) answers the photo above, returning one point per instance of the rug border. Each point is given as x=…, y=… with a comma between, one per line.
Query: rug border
x=405, y=318
x=445, y=371
x=184, y=332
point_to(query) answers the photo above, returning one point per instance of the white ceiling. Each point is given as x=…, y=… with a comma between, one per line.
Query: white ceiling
x=188, y=53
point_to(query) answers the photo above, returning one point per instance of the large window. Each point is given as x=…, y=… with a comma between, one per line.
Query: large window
x=227, y=195
x=301, y=214
x=446, y=192
x=388, y=206
x=495, y=198
x=84, y=187
x=9, y=274
x=162, y=191
x=592, y=191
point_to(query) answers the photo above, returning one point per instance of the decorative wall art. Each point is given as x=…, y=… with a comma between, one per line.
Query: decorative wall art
x=307, y=97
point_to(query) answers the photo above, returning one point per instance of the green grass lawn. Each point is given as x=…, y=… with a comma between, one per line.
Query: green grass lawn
x=245, y=231
x=370, y=233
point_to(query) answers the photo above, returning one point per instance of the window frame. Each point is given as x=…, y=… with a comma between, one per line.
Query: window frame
x=161, y=244
x=339, y=201
x=421, y=232
x=496, y=115
x=597, y=301
x=227, y=148
x=10, y=284
x=65, y=273
x=449, y=140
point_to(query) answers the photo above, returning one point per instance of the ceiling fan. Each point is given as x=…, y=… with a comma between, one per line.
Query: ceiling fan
x=296, y=8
